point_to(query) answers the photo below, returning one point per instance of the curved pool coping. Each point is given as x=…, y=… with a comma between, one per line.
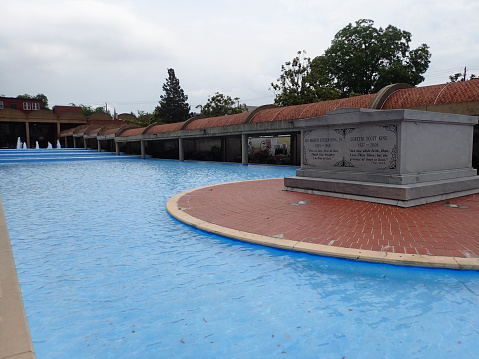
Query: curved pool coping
x=404, y=259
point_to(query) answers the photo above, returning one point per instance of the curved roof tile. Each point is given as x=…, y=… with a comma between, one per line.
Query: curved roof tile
x=416, y=96
x=80, y=130
x=311, y=109
x=208, y=122
x=432, y=95
x=464, y=91
x=92, y=130
x=68, y=132
x=267, y=115
x=109, y=129
x=133, y=132
x=164, y=127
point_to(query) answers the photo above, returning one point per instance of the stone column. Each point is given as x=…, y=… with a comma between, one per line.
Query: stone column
x=85, y=143
x=244, y=149
x=223, y=149
x=27, y=132
x=293, y=145
x=143, y=151
x=99, y=146
x=117, y=148
x=181, y=149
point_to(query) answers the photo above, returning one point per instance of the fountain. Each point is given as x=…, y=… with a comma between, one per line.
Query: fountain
x=25, y=146
x=19, y=144
x=37, y=146
x=58, y=144
x=49, y=145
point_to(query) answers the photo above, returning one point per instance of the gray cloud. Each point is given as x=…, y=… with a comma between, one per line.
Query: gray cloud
x=95, y=51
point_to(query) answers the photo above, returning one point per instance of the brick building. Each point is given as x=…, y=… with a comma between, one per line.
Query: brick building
x=24, y=105
x=24, y=118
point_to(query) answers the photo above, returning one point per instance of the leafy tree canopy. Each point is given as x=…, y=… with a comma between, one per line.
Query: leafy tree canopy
x=144, y=119
x=459, y=77
x=303, y=80
x=220, y=105
x=363, y=59
x=88, y=110
x=40, y=97
x=172, y=105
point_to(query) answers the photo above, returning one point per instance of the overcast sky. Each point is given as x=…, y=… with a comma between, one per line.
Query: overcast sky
x=117, y=52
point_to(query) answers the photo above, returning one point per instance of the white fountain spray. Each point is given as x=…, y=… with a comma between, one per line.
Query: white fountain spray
x=58, y=144
x=19, y=144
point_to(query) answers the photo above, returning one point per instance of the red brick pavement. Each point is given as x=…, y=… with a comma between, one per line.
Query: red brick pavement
x=261, y=207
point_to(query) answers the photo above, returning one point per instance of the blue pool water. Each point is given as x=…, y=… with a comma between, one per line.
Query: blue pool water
x=105, y=272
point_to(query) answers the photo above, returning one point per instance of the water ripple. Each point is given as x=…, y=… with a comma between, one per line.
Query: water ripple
x=100, y=259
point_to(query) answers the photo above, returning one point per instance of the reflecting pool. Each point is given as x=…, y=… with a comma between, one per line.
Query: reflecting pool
x=105, y=272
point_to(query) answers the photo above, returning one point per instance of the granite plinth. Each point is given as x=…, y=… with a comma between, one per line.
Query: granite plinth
x=400, y=157
x=397, y=195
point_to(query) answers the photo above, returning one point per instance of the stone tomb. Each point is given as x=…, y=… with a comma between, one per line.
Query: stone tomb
x=399, y=157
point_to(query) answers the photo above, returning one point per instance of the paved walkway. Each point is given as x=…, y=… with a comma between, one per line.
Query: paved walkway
x=431, y=235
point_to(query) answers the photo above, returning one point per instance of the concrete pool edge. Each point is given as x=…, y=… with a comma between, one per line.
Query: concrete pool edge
x=404, y=259
x=15, y=338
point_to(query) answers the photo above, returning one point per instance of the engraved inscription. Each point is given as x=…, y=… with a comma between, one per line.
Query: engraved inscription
x=369, y=147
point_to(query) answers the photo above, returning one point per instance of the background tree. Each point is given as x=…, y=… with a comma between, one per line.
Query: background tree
x=459, y=77
x=144, y=119
x=220, y=105
x=303, y=80
x=88, y=110
x=172, y=105
x=40, y=97
x=363, y=59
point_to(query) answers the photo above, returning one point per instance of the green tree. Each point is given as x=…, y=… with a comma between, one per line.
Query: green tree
x=144, y=119
x=220, y=105
x=363, y=59
x=459, y=77
x=39, y=96
x=303, y=80
x=172, y=105
x=88, y=110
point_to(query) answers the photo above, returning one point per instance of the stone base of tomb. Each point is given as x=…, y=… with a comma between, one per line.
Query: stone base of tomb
x=399, y=157
x=408, y=195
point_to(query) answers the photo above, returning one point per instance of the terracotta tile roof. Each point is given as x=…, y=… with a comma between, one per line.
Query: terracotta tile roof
x=437, y=94
x=416, y=96
x=405, y=98
x=165, y=127
x=459, y=92
x=322, y=108
x=268, y=115
x=80, y=130
x=68, y=132
x=133, y=132
x=110, y=131
x=311, y=110
x=93, y=129
x=209, y=122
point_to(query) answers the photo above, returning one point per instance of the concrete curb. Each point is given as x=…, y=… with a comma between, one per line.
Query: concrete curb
x=15, y=339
